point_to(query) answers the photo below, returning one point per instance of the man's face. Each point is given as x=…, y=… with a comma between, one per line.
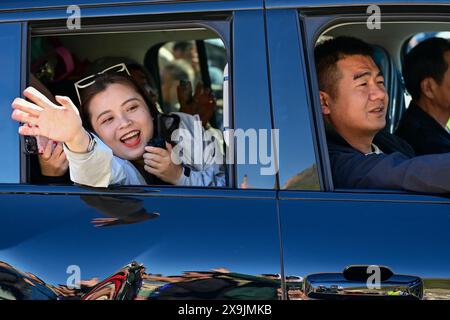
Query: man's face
x=442, y=90
x=359, y=104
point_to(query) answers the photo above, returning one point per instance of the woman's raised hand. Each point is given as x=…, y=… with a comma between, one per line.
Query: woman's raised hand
x=44, y=118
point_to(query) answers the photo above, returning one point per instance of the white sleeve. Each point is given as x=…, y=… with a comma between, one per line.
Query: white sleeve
x=100, y=168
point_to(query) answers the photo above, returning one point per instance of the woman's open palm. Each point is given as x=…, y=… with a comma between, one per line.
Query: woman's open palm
x=44, y=118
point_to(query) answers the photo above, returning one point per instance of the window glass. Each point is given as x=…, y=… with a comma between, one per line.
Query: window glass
x=418, y=38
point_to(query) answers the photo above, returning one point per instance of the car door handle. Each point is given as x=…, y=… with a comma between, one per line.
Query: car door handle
x=363, y=282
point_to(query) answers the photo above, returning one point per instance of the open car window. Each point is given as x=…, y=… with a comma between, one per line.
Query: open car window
x=181, y=70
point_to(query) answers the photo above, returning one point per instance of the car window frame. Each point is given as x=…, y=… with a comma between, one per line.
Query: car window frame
x=220, y=25
x=14, y=38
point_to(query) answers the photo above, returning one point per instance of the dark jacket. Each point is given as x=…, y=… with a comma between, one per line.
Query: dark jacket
x=422, y=132
x=36, y=177
x=396, y=168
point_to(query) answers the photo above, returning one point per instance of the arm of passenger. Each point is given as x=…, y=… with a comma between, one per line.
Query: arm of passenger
x=429, y=173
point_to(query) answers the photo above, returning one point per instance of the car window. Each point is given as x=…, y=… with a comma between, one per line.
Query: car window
x=188, y=79
x=183, y=61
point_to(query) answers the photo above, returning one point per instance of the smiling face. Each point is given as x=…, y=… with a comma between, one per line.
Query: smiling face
x=358, y=107
x=441, y=91
x=122, y=120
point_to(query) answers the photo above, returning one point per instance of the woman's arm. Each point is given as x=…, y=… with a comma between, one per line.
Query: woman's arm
x=210, y=176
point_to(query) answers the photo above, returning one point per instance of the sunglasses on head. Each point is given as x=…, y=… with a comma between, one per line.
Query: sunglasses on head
x=90, y=80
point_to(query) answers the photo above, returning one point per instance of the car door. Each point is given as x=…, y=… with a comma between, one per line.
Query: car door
x=335, y=239
x=66, y=241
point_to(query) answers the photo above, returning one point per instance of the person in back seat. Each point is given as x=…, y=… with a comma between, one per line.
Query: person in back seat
x=118, y=110
x=427, y=78
x=50, y=166
x=354, y=101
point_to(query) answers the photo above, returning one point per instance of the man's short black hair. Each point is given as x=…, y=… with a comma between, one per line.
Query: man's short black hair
x=329, y=52
x=426, y=60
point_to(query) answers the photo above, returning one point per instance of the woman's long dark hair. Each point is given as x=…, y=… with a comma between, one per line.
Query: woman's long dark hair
x=102, y=81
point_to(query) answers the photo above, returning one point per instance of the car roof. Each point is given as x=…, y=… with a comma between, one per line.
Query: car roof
x=11, y=5
x=338, y=3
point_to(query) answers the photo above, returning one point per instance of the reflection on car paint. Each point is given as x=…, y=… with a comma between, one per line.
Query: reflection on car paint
x=132, y=283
